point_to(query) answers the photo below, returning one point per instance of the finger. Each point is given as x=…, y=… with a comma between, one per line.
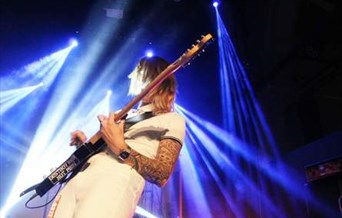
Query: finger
x=74, y=133
x=77, y=137
x=75, y=140
x=73, y=136
x=111, y=116
x=122, y=123
x=101, y=117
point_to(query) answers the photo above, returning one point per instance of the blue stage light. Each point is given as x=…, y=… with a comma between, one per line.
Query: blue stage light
x=149, y=53
x=73, y=43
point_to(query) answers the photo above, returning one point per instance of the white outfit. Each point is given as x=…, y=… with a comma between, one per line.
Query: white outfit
x=108, y=188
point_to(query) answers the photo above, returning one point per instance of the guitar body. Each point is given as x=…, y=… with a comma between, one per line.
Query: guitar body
x=72, y=165
x=75, y=162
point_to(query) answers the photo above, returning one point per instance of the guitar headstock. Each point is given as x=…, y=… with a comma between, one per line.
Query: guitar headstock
x=183, y=60
x=195, y=50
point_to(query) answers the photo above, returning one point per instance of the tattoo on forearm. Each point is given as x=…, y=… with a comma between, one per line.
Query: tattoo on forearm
x=158, y=170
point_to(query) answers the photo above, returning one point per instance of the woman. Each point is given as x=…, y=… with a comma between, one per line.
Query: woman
x=114, y=179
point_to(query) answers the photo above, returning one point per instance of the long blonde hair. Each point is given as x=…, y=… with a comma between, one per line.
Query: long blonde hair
x=147, y=70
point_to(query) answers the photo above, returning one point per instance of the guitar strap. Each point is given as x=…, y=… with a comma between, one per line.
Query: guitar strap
x=135, y=119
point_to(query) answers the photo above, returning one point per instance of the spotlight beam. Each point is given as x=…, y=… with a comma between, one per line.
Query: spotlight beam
x=9, y=98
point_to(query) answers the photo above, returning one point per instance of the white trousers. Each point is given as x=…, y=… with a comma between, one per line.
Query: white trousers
x=105, y=189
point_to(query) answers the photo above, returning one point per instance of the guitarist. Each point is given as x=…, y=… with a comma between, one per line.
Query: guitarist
x=112, y=183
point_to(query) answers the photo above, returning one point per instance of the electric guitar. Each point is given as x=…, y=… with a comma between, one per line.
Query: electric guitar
x=96, y=143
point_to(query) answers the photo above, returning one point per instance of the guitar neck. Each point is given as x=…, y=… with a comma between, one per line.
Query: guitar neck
x=181, y=61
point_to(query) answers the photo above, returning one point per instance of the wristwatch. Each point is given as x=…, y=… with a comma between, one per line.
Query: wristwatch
x=124, y=154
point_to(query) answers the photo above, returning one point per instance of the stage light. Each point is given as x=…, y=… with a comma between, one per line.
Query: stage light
x=215, y=4
x=149, y=53
x=46, y=70
x=249, y=143
x=73, y=43
x=52, y=149
x=67, y=106
x=9, y=98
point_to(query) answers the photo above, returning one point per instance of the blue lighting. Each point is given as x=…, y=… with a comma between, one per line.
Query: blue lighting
x=73, y=43
x=149, y=53
x=247, y=142
x=215, y=4
x=231, y=169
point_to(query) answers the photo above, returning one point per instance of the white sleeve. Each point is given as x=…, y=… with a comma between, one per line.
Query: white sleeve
x=174, y=127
